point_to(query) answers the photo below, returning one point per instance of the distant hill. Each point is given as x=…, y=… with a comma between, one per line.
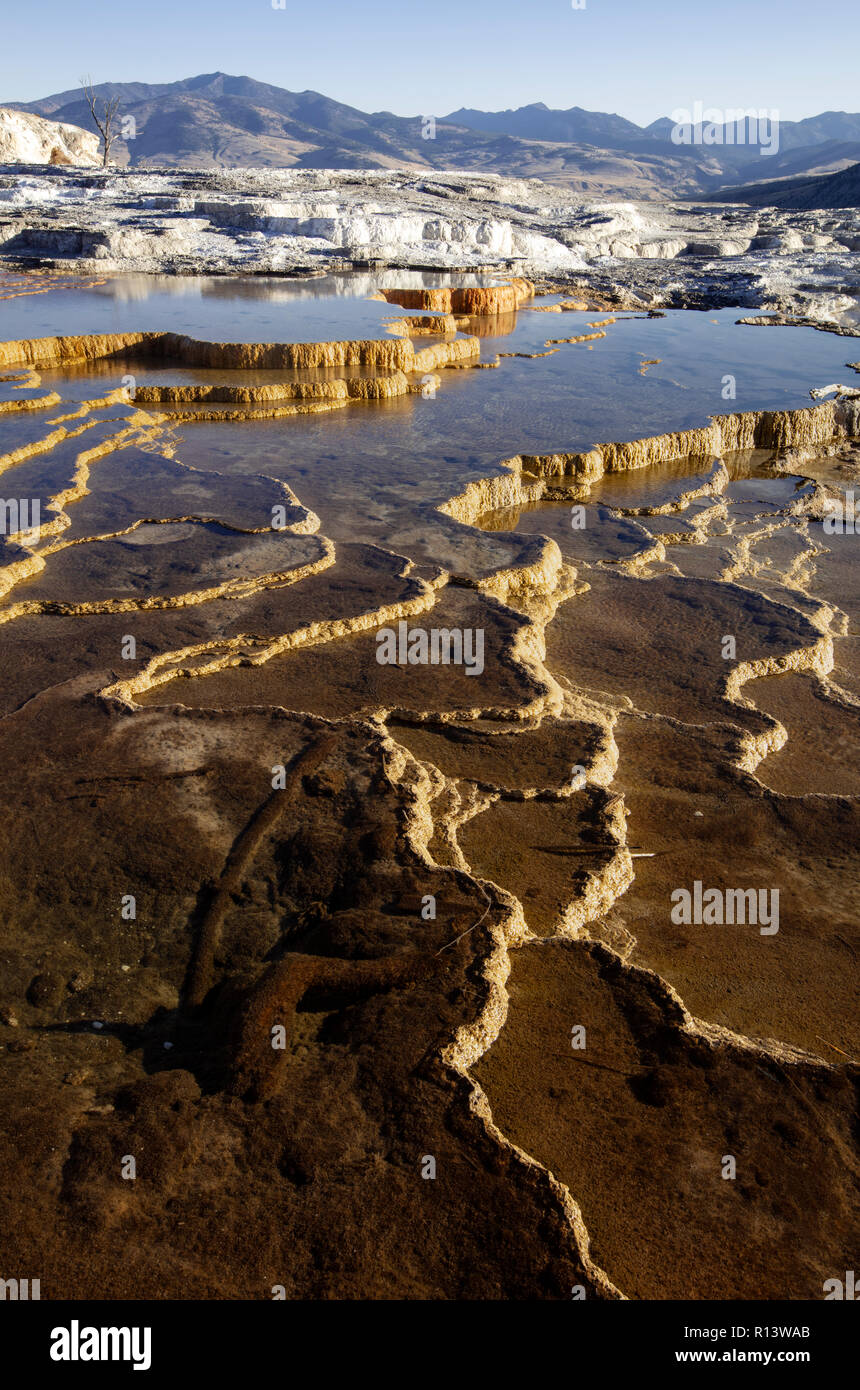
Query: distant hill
x=539, y=122
x=840, y=190
x=215, y=120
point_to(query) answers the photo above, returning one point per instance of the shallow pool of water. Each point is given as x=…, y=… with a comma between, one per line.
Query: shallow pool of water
x=236, y=309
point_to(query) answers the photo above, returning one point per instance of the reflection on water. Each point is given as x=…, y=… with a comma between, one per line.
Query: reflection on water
x=261, y=308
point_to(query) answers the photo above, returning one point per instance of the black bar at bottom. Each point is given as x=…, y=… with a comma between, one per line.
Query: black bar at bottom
x=257, y=1340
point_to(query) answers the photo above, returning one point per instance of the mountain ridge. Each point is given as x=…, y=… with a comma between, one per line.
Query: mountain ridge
x=218, y=120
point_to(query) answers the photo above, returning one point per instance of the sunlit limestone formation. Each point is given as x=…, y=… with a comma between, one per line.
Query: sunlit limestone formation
x=475, y=302
x=387, y=355
x=534, y=476
x=402, y=368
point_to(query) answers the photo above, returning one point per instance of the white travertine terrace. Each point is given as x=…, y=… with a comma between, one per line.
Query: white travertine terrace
x=260, y=221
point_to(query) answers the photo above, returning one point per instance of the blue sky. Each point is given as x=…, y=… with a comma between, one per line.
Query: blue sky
x=641, y=58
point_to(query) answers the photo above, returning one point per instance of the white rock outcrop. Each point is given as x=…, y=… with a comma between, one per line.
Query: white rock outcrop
x=288, y=221
x=29, y=139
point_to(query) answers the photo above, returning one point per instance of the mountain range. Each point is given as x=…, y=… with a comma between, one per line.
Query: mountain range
x=215, y=120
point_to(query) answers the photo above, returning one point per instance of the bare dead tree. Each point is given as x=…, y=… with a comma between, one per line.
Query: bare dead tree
x=103, y=122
